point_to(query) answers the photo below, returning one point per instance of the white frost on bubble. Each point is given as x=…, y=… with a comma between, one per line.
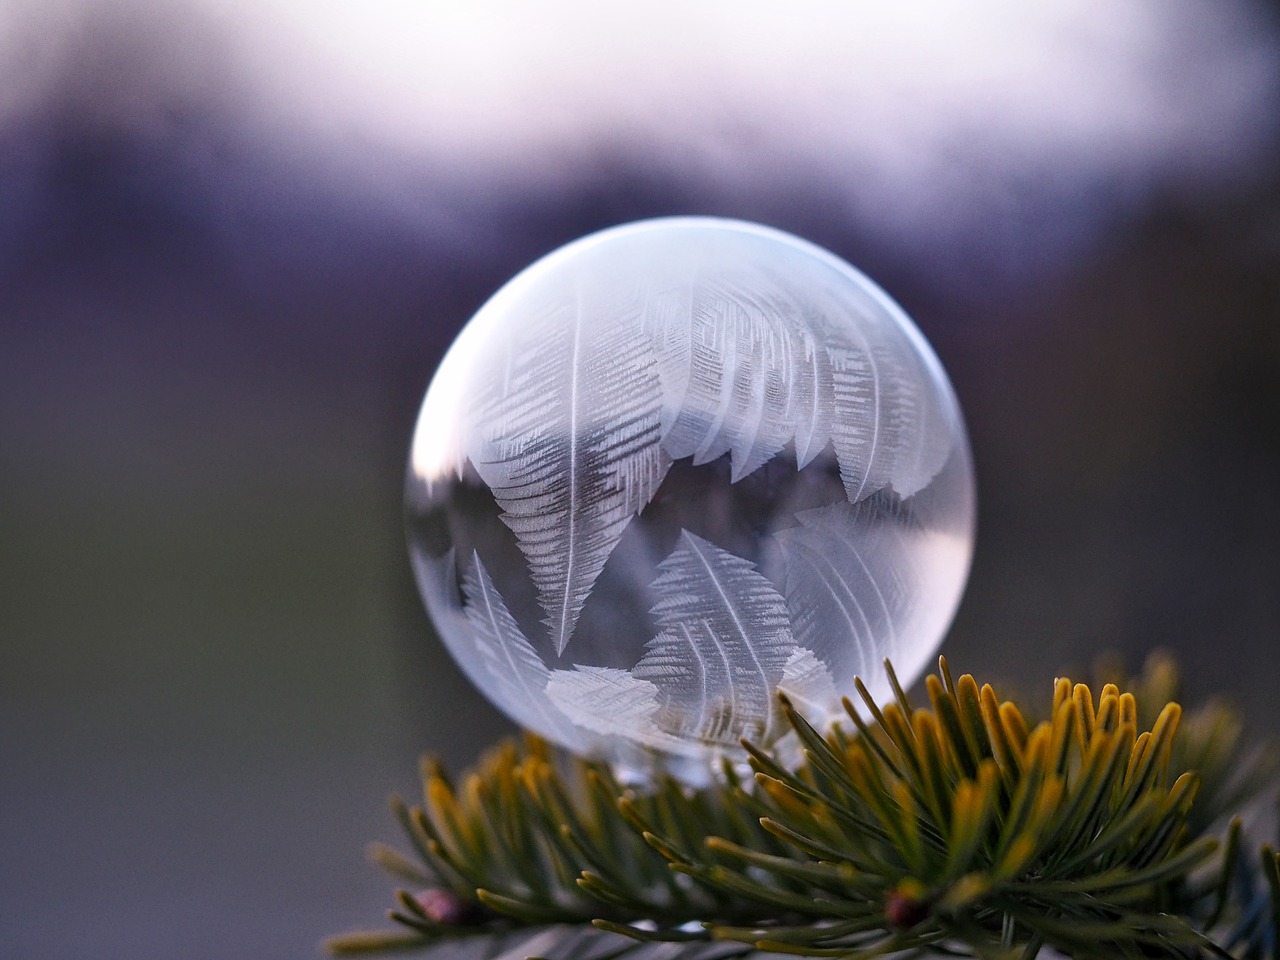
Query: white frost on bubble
x=807, y=681
x=850, y=581
x=750, y=362
x=567, y=439
x=734, y=362
x=607, y=701
x=724, y=646
x=517, y=676
x=610, y=377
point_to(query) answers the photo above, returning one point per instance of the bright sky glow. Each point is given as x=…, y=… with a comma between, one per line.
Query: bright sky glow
x=908, y=117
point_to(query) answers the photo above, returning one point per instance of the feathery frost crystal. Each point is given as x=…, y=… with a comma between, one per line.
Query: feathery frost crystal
x=675, y=467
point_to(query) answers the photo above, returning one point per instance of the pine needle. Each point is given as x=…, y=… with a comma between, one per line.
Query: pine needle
x=967, y=827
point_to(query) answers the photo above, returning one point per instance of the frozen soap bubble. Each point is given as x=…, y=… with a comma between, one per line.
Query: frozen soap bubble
x=675, y=467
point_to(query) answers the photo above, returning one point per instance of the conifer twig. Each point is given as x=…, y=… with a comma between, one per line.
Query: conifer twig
x=967, y=826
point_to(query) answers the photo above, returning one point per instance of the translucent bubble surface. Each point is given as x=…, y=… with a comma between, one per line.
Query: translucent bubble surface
x=675, y=467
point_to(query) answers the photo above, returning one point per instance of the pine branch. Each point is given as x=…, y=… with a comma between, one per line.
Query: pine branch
x=1099, y=828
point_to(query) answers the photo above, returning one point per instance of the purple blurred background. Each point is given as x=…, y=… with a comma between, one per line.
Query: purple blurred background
x=236, y=238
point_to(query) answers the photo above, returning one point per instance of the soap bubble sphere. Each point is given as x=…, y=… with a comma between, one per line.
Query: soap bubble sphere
x=675, y=467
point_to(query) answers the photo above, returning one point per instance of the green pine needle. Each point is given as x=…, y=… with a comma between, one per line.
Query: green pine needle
x=1099, y=827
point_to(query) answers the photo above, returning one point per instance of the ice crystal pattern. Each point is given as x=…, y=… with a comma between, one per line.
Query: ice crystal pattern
x=675, y=467
x=570, y=448
x=724, y=645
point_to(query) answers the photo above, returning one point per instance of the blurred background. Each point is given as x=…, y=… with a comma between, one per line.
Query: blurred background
x=235, y=239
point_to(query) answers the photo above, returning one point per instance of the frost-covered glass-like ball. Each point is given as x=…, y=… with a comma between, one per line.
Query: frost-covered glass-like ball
x=675, y=467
